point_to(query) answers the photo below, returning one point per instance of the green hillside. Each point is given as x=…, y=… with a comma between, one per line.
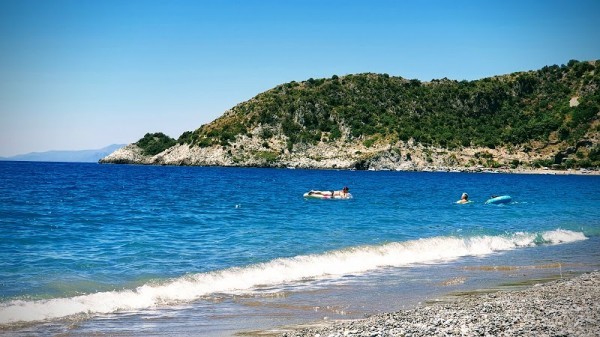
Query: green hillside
x=556, y=105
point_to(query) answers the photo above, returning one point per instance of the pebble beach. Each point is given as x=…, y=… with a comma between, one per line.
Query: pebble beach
x=566, y=307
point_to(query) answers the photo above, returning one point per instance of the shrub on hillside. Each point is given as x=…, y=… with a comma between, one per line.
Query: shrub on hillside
x=155, y=143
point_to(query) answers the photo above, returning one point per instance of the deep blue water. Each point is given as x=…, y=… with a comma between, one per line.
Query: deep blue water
x=102, y=242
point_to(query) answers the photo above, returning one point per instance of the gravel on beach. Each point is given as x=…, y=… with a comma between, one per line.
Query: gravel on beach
x=566, y=307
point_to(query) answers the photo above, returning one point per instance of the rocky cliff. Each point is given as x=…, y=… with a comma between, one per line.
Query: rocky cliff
x=408, y=156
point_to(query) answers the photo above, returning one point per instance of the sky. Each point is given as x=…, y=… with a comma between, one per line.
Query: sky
x=84, y=74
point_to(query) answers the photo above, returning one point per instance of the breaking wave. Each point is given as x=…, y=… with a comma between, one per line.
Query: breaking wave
x=280, y=271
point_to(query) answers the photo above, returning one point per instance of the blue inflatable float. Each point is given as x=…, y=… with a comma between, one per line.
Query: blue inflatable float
x=503, y=199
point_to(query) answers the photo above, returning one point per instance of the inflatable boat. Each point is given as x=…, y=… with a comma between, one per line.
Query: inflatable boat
x=503, y=199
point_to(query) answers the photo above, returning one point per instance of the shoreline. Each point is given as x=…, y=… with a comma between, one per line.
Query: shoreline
x=540, y=171
x=442, y=169
x=564, y=307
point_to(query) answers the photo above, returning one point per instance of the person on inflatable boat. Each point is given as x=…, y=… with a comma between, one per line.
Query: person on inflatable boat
x=342, y=194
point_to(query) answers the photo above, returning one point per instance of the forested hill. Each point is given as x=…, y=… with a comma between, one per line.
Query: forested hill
x=552, y=112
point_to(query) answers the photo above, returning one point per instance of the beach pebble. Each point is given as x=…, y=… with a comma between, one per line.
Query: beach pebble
x=558, y=308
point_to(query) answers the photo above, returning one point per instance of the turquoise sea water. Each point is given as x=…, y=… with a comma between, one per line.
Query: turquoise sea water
x=141, y=250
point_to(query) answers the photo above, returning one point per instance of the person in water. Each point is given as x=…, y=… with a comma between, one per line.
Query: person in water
x=464, y=198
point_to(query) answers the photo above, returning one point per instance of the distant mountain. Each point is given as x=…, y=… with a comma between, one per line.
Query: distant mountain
x=82, y=156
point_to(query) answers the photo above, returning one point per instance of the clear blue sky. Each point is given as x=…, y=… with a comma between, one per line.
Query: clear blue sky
x=84, y=74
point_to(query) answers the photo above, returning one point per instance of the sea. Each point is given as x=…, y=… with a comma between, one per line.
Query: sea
x=126, y=250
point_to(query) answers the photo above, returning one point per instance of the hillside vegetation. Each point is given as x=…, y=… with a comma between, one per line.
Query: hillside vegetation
x=555, y=109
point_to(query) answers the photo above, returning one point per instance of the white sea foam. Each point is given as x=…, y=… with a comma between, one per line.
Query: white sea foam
x=562, y=236
x=279, y=271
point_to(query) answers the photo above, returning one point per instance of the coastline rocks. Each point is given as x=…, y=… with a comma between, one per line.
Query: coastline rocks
x=253, y=151
x=180, y=154
x=568, y=307
x=130, y=154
